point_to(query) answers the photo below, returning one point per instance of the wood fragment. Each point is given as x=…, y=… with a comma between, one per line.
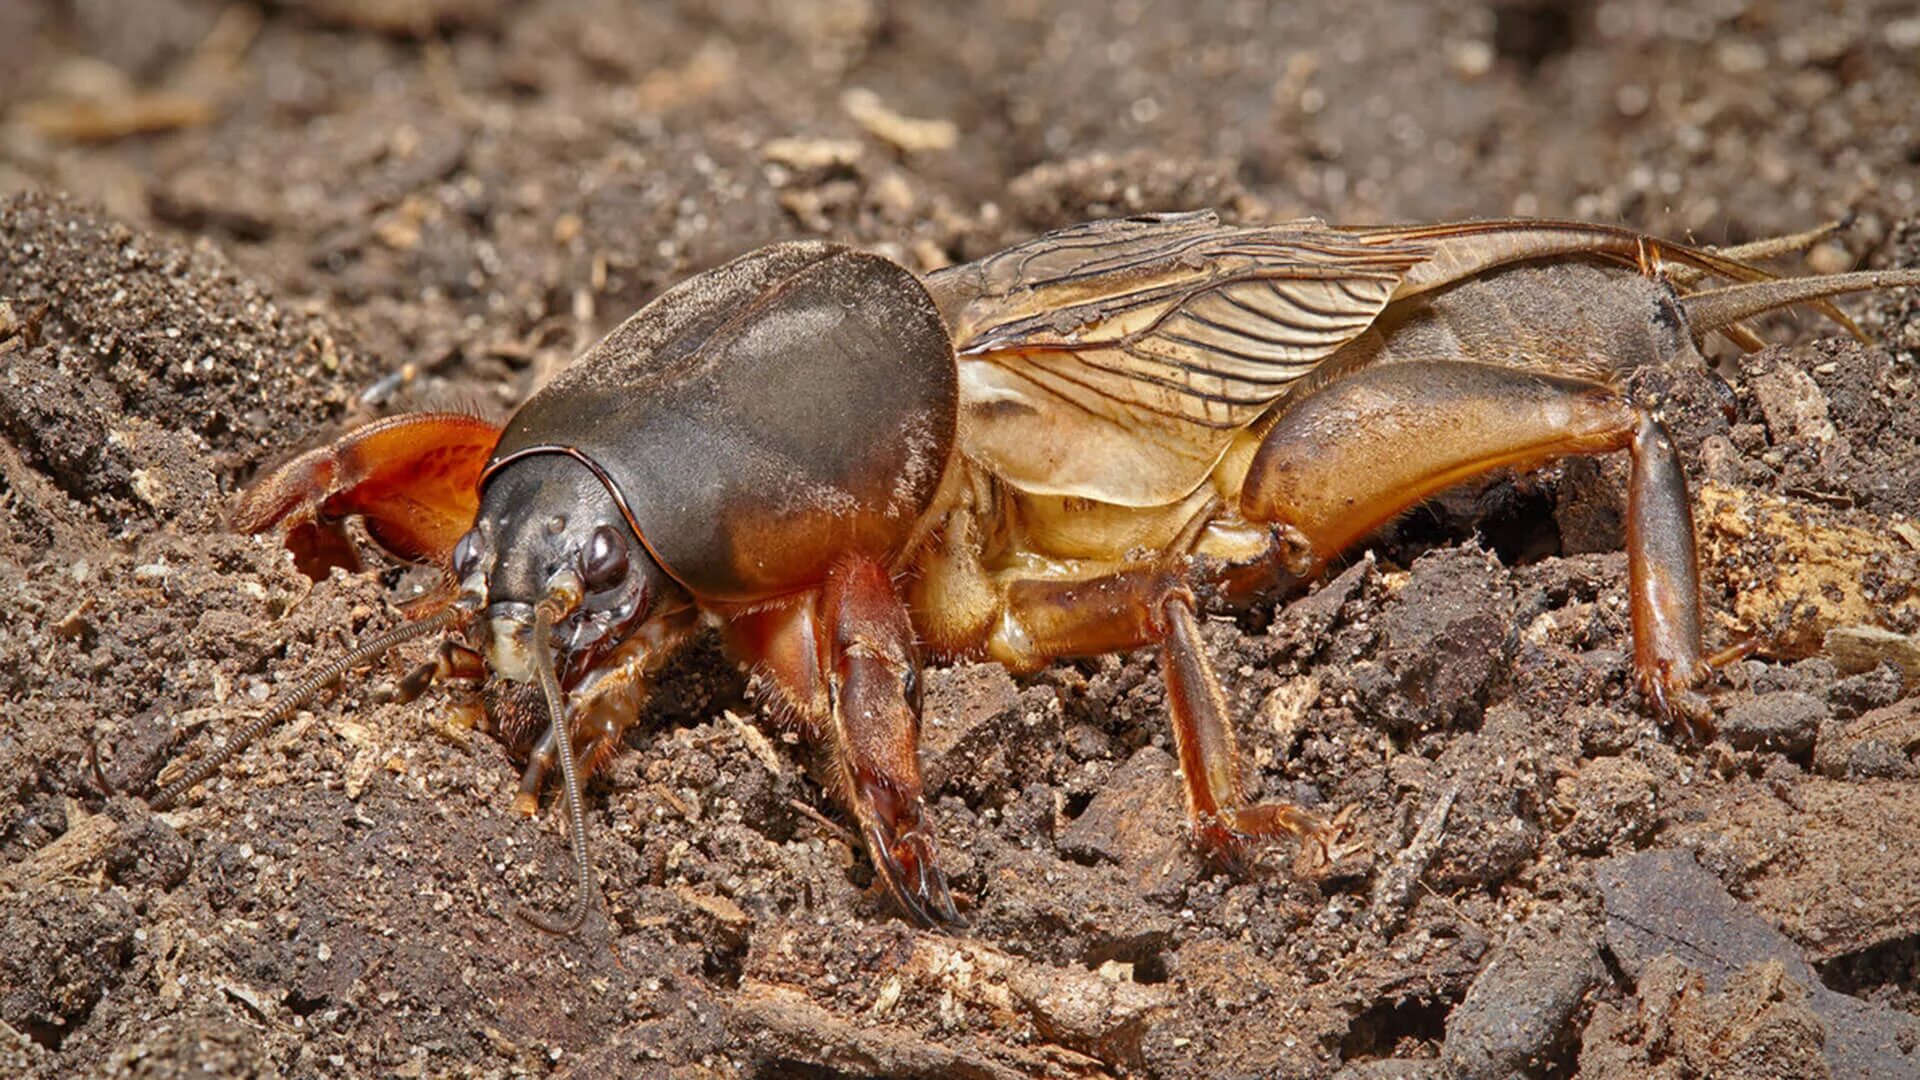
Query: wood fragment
x=105, y=121
x=905, y=133
x=1854, y=649
x=1393, y=893
x=68, y=859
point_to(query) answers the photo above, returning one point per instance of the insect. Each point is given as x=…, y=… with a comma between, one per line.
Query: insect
x=1074, y=446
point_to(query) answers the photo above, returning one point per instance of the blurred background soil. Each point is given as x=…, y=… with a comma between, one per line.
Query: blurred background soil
x=225, y=224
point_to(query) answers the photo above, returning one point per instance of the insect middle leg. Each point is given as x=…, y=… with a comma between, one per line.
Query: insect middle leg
x=1354, y=453
x=1044, y=618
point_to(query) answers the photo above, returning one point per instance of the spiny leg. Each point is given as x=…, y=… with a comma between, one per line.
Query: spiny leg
x=414, y=478
x=1210, y=760
x=1663, y=578
x=1046, y=618
x=1348, y=457
x=873, y=684
x=842, y=666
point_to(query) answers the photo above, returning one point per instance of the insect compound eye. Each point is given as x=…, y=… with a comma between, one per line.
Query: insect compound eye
x=466, y=555
x=910, y=686
x=605, y=563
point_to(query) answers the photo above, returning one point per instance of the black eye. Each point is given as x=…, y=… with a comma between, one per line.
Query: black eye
x=910, y=686
x=466, y=554
x=606, y=560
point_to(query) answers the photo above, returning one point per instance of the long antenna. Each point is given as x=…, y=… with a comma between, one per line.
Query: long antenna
x=300, y=695
x=569, y=779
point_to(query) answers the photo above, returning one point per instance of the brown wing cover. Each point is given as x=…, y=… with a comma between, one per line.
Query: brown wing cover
x=1114, y=360
x=763, y=419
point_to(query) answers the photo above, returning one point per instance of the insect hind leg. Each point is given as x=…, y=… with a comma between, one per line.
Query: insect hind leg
x=1348, y=457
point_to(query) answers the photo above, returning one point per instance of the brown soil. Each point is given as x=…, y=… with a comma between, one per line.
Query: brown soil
x=231, y=221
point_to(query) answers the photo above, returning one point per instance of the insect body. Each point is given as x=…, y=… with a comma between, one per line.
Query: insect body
x=1067, y=448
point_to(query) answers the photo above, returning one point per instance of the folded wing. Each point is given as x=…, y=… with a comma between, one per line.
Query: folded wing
x=1115, y=360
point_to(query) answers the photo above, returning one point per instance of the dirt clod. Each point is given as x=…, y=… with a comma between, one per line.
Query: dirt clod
x=1784, y=721
x=1678, y=934
x=1759, y=1026
x=1445, y=642
x=1521, y=1007
x=1136, y=823
x=58, y=960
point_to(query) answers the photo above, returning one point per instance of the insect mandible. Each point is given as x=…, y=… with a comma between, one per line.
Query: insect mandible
x=1074, y=446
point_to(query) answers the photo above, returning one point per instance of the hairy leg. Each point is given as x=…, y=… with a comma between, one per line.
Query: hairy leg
x=840, y=664
x=1363, y=448
x=413, y=478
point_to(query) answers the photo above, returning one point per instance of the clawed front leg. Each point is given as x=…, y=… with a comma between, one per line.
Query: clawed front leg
x=872, y=690
x=840, y=665
x=413, y=478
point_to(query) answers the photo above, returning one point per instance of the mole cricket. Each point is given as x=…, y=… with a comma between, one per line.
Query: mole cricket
x=1075, y=446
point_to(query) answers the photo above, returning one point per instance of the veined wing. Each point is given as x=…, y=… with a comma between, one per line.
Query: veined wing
x=1115, y=360
x=1467, y=248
